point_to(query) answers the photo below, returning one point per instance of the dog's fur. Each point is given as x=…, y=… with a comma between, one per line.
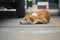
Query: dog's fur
x=41, y=17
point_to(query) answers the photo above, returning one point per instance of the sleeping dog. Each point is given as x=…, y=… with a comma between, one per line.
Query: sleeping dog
x=41, y=17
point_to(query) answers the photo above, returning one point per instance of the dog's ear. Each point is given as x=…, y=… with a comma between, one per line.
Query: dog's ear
x=31, y=19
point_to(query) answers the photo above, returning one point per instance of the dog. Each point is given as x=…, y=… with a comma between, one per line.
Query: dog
x=41, y=17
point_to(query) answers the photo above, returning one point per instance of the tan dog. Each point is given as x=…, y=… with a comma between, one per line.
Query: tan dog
x=41, y=17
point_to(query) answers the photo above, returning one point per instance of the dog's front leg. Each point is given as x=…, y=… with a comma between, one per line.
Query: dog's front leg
x=36, y=21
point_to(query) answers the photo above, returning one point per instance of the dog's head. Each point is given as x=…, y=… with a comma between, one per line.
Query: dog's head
x=26, y=20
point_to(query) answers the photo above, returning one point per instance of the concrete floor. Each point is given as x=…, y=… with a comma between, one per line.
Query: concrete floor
x=10, y=29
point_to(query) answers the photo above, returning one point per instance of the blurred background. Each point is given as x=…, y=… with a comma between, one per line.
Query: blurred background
x=9, y=8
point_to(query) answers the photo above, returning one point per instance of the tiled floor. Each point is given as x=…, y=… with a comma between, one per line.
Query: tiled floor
x=10, y=29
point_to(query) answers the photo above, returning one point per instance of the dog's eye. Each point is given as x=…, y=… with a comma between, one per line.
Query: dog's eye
x=25, y=19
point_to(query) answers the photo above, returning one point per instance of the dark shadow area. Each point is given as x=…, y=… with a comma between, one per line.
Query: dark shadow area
x=53, y=4
x=8, y=14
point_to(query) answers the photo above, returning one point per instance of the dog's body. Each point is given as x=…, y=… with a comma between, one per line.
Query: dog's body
x=42, y=16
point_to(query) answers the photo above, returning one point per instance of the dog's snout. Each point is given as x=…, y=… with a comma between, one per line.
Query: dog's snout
x=20, y=22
